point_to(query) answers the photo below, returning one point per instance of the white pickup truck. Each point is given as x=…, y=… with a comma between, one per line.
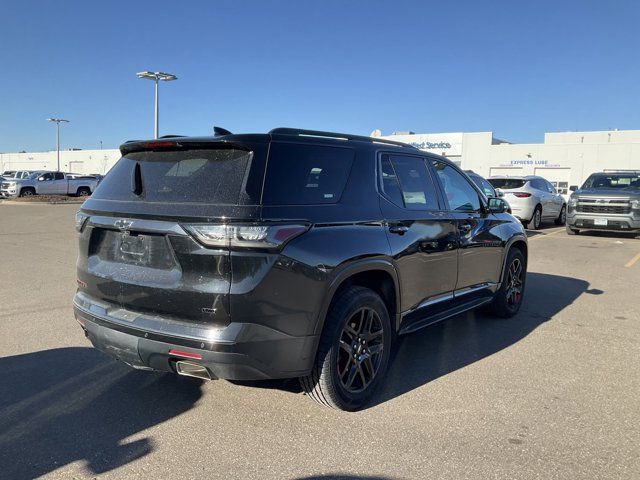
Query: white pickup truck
x=48, y=183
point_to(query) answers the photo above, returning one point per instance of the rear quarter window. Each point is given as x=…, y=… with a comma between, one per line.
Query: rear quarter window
x=306, y=174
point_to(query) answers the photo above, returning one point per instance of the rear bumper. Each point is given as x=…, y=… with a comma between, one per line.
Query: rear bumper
x=238, y=351
x=614, y=223
x=522, y=211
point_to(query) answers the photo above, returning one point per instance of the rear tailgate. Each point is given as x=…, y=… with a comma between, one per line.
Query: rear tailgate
x=134, y=249
x=153, y=266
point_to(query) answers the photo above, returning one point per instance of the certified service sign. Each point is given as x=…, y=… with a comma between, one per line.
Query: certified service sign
x=449, y=144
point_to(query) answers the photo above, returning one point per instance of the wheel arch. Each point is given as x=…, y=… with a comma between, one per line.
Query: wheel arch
x=378, y=275
x=519, y=242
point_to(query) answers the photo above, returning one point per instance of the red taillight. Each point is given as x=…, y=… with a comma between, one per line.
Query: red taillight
x=521, y=194
x=285, y=233
x=80, y=283
x=180, y=353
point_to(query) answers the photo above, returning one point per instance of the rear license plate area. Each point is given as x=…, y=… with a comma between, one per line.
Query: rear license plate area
x=134, y=249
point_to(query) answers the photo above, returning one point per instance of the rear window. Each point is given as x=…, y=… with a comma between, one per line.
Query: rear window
x=216, y=176
x=306, y=174
x=507, y=183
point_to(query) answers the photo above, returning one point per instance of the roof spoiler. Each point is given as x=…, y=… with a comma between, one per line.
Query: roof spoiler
x=220, y=132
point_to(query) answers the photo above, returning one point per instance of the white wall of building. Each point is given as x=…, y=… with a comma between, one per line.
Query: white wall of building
x=76, y=161
x=565, y=158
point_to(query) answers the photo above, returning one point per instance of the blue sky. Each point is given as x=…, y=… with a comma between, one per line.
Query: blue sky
x=515, y=68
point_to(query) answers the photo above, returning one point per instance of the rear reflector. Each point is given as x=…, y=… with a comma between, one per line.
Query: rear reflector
x=180, y=353
x=521, y=194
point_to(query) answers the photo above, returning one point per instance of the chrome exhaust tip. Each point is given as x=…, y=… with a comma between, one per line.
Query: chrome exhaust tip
x=189, y=369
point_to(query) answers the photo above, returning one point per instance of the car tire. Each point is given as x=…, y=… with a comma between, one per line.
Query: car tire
x=508, y=299
x=83, y=192
x=346, y=371
x=562, y=217
x=572, y=231
x=536, y=219
x=27, y=192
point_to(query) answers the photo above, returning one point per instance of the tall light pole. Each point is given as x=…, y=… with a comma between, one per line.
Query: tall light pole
x=156, y=77
x=57, y=122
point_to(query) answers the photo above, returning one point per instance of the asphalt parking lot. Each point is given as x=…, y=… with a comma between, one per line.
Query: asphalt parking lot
x=551, y=393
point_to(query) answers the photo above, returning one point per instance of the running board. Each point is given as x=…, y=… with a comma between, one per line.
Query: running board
x=438, y=317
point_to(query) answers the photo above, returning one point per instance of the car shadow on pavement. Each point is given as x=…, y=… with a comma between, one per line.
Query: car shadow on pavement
x=440, y=349
x=68, y=404
x=339, y=476
x=544, y=229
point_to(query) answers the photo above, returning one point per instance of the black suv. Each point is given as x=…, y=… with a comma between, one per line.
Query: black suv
x=295, y=253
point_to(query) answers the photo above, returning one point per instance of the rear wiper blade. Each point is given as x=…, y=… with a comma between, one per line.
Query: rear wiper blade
x=136, y=180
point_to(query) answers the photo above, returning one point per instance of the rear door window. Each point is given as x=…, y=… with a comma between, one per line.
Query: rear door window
x=300, y=174
x=538, y=184
x=406, y=182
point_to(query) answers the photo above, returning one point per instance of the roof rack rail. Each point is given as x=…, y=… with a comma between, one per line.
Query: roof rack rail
x=339, y=136
x=172, y=136
x=620, y=170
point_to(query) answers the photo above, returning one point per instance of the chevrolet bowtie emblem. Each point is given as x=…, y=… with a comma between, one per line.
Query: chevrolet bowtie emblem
x=122, y=224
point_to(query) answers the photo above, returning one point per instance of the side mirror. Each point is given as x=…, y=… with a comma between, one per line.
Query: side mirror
x=573, y=188
x=497, y=205
x=499, y=192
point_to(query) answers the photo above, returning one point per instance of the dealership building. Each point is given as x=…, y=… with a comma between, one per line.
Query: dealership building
x=564, y=158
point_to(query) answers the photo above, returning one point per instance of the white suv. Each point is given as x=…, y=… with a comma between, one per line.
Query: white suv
x=532, y=199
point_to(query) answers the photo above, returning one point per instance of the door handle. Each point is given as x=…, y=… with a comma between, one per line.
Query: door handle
x=464, y=227
x=399, y=229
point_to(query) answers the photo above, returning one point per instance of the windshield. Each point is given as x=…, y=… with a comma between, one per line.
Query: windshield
x=484, y=185
x=507, y=183
x=618, y=181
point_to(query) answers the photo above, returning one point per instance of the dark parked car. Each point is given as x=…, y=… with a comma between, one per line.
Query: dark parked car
x=486, y=188
x=289, y=254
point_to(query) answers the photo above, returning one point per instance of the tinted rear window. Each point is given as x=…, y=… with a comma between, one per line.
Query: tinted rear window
x=306, y=174
x=217, y=176
x=507, y=183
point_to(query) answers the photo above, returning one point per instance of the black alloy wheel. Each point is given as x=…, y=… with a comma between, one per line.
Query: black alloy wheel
x=508, y=299
x=515, y=282
x=354, y=350
x=361, y=348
